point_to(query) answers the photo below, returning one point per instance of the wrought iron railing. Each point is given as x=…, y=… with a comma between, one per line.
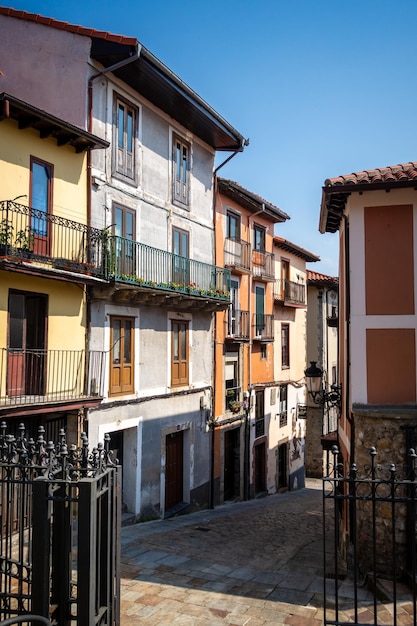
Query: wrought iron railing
x=290, y=292
x=237, y=254
x=43, y=376
x=263, y=265
x=29, y=234
x=139, y=264
x=263, y=327
x=237, y=324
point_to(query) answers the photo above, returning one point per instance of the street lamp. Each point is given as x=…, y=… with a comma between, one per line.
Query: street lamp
x=314, y=383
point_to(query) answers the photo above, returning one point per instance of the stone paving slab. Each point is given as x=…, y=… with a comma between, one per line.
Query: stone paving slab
x=256, y=563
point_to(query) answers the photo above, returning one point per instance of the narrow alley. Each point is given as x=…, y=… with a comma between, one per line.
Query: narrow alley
x=254, y=563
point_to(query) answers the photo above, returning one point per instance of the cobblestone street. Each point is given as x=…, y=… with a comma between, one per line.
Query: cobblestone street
x=253, y=563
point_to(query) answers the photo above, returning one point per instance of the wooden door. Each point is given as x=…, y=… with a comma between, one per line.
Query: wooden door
x=121, y=355
x=260, y=468
x=174, y=470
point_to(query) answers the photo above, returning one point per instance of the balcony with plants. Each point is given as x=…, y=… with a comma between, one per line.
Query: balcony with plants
x=290, y=293
x=157, y=277
x=37, y=377
x=48, y=241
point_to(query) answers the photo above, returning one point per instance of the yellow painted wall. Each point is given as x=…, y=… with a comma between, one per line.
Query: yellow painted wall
x=70, y=180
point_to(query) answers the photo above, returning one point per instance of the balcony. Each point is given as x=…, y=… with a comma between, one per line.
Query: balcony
x=152, y=276
x=263, y=265
x=237, y=255
x=29, y=378
x=37, y=241
x=290, y=293
x=237, y=325
x=263, y=327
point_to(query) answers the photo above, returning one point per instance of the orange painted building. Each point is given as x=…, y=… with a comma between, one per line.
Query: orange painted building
x=375, y=213
x=244, y=341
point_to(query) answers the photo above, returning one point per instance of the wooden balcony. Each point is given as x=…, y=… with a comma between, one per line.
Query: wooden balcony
x=58, y=378
x=290, y=293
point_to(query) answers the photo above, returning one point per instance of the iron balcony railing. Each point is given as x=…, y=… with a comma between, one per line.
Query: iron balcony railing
x=263, y=265
x=263, y=327
x=27, y=233
x=290, y=292
x=132, y=262
x=45, y=376
x=237, y=324
x=237, y=254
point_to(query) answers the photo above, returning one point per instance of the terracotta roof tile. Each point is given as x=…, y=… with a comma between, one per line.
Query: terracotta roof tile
x=289, y=246
x=72, y=28
x=402, y=172
x=232, y=188
x=322, y=279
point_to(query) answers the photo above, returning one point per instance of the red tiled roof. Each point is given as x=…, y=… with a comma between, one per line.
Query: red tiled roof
x=250, y=199
x=310, y=257
x=72, y=28
x=389, y=174
x=322, y=279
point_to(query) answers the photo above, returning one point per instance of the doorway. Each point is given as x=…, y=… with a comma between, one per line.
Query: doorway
x=260, y=468
x=231, y=464
x=26, y=362
x=283, y=466
x=174, y=470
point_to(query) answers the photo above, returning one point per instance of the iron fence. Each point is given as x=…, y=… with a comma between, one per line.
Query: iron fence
x=263, y=265
x=237, y=254
x=60, y=519
x=373, y=511
x=130, y=261
x=263, y=326
x=290, y=291
x=39, y=376
x=237, y=324
x=28, y=233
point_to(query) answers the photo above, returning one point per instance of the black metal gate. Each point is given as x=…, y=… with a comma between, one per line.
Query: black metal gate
x=60, y=518
x=372, y=575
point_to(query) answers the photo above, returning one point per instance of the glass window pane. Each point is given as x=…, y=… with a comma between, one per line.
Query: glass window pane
x=183, y=342
x=40, y=197
x=129, y=226
x=116, y=341
x=130, y=131
x=178, y=162
x=17, y=317
x=121, y=126
x=184, y=164
x=118, y=222
x=175, y=342
x=127, y=341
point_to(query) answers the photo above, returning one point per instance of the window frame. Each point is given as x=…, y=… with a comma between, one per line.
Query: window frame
x=181, y=183
x=283, y=405
x=126, y=172
x=122, y=389
x=232, y=216
x=183, y=361
x=285, y=345
x=259, y=238
x=41, y=240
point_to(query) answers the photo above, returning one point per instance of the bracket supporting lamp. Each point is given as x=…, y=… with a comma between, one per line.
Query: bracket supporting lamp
x=314, y=382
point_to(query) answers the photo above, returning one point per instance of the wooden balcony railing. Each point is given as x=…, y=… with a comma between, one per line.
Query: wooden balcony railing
x=263, y=265
x=237, y=324
x=48, y=376
x=263, y=327
x=290, y=292
x=237, y=254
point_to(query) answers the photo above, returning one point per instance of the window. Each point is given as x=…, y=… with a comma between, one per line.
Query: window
x=40, y=200
x=260, y=413
x=283, y=394
x=231, y=378
x=259, y=310
x=121, y=355
x=181, y=166
x=124, y=221
x=179, y=353
x=125, y=122
x=233, y=226
x=263, y=351
x=181, y=264
x=285, y=345
x=258, y=238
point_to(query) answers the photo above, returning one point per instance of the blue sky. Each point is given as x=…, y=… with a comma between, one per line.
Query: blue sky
x=320, y=87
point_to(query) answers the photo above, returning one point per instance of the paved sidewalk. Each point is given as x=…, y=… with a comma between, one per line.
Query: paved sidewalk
x=253, y=563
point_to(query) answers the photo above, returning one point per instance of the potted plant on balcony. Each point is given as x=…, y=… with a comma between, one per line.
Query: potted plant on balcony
x=235, y=406
x=24, y=242
x=6, y=236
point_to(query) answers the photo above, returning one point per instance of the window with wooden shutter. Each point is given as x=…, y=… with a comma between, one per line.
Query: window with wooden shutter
x=121, y=355
x=125, y=124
